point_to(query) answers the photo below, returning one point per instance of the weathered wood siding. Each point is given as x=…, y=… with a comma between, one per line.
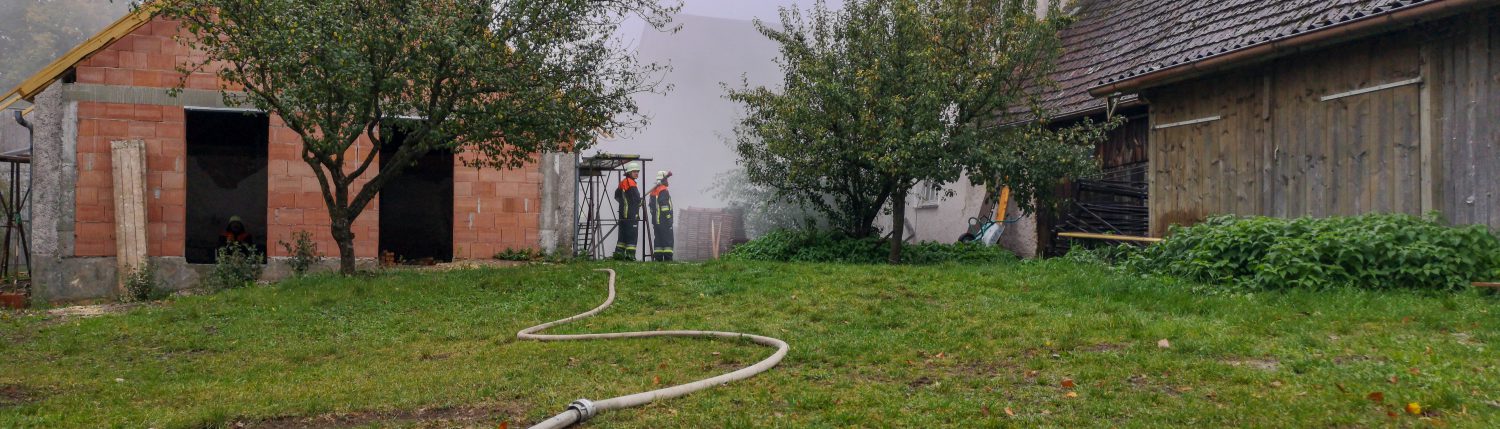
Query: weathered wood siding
x=1467, y=111
x=1280, y=149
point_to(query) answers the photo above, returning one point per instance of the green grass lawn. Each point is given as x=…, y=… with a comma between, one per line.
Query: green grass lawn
x=872, y=346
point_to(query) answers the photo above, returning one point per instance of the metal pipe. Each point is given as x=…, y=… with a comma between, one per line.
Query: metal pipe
x=30, y=183
x=584, y=409
x=1309, y=40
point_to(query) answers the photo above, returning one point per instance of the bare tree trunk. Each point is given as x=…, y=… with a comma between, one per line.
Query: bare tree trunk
x=898, y=225
x=343, y=233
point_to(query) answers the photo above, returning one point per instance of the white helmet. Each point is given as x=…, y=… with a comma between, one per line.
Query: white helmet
x=632, y=166
x=662, y=175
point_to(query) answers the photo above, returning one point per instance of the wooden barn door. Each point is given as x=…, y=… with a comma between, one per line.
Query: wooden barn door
x=1347, y=131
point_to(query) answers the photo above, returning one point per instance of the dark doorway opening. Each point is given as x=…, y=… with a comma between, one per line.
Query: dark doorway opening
x=416, y=208
x=226, y=178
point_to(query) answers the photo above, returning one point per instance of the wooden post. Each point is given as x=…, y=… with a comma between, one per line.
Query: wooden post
x=1426, y=138
x=713, y=233
x=129, y=162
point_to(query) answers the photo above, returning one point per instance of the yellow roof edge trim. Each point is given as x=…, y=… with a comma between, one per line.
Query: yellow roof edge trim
x=8, y=100
x=34, y=85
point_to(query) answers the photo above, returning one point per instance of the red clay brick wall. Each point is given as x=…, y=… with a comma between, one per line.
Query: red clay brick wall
x=166, y=150
x=296, y=200
x=494, y=210
x=147, y=57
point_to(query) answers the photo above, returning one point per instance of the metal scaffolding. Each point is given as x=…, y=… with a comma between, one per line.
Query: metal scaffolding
x=594, y=206
x=15, y=255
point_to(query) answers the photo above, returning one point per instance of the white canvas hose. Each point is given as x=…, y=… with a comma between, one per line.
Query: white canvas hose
x=584, y=409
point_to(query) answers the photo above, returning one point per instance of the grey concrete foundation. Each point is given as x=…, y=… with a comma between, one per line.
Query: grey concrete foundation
x=558, y=177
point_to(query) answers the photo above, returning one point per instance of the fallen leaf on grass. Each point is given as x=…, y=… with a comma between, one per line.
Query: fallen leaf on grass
x=1376, y=396
x=1008, y=412
x=1392, y=379
x=1275, y=384
x=984, y=410
x=1415, y=371
x=1068, y=383
x=1163, y=343
x=1071, y=395
x=656, y=380
x=504, y=425
x=1414, y=408
x=1341, y=388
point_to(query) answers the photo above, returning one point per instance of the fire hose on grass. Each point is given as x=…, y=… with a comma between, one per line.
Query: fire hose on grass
x=584, y=409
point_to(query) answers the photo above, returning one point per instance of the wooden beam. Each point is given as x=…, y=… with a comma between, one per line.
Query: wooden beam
x=1189, y=122
x=1109, y=237
x=129, y=162
x=1426, y=139
x=1382, y=87
x=29, y=88
x=1491, y=285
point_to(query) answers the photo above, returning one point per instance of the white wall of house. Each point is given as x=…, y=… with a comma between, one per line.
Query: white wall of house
x=939, y=218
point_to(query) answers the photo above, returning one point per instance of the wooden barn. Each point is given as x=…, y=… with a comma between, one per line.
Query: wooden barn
x=1288, y=108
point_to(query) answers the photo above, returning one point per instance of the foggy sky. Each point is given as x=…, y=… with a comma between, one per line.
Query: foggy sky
x=691, y=124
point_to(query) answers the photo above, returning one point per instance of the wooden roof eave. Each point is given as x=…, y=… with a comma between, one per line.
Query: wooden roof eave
x=29, y=88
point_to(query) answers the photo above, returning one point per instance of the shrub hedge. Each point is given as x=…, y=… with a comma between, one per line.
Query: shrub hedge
x=1376, y=251
x=823, y=246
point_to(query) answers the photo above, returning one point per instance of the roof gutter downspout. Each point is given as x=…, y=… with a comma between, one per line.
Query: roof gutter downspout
x=30, y=182
x=1304, y=41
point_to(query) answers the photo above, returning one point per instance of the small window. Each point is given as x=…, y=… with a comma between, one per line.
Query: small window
x=928, y=196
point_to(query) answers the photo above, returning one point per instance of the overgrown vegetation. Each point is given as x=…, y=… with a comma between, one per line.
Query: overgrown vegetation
x=141, y=283
x=985, y=345
x=303, y=251
x=521, y=255
x=236, y=265
x=1376, y=251
x=834, y=246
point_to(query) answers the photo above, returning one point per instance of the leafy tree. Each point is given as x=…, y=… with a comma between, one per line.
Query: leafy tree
x=501, y=79
x=885, y=94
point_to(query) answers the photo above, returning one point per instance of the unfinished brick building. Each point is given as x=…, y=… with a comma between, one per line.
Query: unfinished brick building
x=205, y=162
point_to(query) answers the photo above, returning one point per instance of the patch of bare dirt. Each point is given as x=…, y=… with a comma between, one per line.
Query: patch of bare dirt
x=920, y=382
x=13, y=394
x=470, y=264
x=1106, y=347
x=1341, y=360
x=439, y=417
x=1268, y=365
x=86, y=311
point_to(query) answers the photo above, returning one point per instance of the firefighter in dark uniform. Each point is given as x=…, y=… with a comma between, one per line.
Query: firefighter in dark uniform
x=628, y=196
x=659, y=205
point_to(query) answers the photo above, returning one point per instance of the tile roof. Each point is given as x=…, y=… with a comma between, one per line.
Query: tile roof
x=1114, y=40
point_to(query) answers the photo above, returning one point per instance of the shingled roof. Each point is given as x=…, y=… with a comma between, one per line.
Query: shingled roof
x=1115, y=40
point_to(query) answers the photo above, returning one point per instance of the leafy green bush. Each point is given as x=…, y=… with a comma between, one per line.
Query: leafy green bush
x=304, y=252
x=1371, y=251
x=828, y=246
x=237, y=265
x=523, y=255
x=140, y=282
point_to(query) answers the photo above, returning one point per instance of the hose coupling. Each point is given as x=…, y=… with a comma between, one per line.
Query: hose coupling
x=585, y=409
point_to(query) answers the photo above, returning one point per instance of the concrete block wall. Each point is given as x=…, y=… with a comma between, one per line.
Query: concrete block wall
x=162, y=129
x=495, y=209
x=295, y=199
